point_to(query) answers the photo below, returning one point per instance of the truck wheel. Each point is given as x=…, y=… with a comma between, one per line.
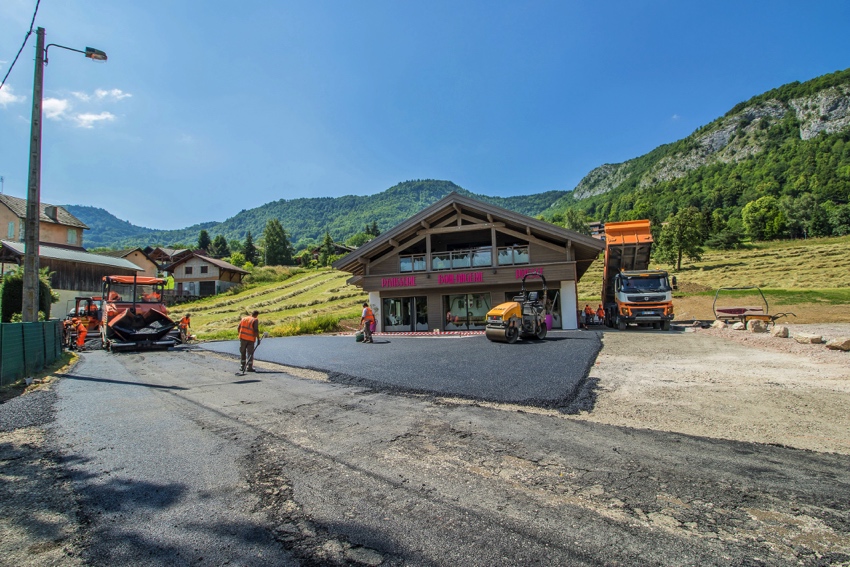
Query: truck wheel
x=665, y=325
x=511, y=335
x=621, y=325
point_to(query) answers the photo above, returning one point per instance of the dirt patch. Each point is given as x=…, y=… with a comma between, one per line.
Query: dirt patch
x=700, y=307
x=727, y=384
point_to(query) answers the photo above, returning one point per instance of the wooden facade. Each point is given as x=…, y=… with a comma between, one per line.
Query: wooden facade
x=464, y=255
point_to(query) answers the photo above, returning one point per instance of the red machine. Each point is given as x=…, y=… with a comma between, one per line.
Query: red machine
x=134, y=316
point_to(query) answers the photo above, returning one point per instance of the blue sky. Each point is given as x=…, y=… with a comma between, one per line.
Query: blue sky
x=209, y=107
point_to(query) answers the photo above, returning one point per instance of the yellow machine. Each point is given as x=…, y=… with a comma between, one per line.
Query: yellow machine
x=524, y=317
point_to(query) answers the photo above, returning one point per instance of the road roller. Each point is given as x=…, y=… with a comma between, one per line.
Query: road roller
x=524, y=317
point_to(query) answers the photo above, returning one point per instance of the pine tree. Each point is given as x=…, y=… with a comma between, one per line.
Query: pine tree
x=249, y=250
x=219, y=247
x=326, y=251
x=204, y=241
x=278, y=249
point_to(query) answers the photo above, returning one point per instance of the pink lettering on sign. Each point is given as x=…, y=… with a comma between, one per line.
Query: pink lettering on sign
x=406, y=281
x=522, y=272
x=449, y=279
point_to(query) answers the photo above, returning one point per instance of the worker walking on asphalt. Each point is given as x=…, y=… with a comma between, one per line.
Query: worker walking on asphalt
x=588, y=315
x=249, y=334
x=600, y=314
x=366, y=320
x=183, y=325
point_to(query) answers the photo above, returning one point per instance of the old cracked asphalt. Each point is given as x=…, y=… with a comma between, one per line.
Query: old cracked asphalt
x=174, y=460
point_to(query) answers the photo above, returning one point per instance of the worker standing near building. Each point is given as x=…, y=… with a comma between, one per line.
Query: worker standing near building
x=81, y=334
x=600, y=314
x=366, y=320
x=249, y=334
x=588, y=315
x=183, y=325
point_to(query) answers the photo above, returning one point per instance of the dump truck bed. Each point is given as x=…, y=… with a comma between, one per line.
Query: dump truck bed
x=628, y=246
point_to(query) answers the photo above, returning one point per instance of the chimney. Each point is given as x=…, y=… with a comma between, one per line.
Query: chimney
x=52, y=212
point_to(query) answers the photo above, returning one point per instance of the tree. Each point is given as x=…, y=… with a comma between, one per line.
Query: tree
x=204, y=241
x=219, y=248
x=326, y=250
x=278, y=249
x=12, y=294
x=576, y=221
x=680, y=236
x=249, y=250
x=763, y=219
x=358, y=240
x=237, y=259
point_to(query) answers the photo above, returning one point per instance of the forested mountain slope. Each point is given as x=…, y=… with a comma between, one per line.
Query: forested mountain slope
x=305, y=220
x=789, y=146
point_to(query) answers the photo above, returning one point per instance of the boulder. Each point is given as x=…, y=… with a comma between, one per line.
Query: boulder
x=807, y=339
x=839, y=343
x=739, y=326
x=756, y=326
x=780, y=331
x=718, y=325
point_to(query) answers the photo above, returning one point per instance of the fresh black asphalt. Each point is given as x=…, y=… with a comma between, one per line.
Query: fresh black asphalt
x=548, y=373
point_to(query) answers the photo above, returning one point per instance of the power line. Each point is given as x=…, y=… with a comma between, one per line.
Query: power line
x=29, y=33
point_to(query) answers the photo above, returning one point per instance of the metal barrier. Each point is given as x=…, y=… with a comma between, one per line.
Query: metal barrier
x=26, y=348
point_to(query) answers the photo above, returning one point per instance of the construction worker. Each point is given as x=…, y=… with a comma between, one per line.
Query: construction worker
x=600, y=314
x=588, y=315
x=81, y=334
x=366, y=320
x=68, y=328
x=249, y=335
x=183, y=325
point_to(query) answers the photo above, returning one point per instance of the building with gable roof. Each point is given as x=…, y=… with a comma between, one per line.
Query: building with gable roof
x=448, y=265
x=196, y=273
x=56, y=227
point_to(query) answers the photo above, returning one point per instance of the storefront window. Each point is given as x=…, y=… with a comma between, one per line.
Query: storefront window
x=404, y=314
x=466, y=311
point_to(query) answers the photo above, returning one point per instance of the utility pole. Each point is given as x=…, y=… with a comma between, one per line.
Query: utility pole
x=30, y=300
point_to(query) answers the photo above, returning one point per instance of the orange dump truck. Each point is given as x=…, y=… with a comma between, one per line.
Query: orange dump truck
x=631, y=292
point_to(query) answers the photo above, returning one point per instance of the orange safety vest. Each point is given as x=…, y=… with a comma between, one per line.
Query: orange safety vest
x=369, y=316
x=600, y=313
x=246, y=329
x=184, y=323
x=588, y=310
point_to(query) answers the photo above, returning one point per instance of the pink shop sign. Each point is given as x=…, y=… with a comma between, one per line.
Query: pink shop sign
x=405, y=281
x=451, y=279
x=521, y=273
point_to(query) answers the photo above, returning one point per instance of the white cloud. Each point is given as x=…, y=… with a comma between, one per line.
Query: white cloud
x=54, y=108
x=675, y=118
x=112, y=94
x=88, y=120
x=7, y=96
x=81, y=96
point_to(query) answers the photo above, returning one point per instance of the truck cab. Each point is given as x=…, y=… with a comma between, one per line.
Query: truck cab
x=641, y=297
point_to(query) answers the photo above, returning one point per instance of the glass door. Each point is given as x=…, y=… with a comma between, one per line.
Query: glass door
x=466, y=311
x=405, y=314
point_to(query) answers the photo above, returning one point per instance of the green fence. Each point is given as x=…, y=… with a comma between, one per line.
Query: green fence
x=26, y=348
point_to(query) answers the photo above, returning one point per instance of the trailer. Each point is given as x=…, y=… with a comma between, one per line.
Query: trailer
x=745, y=314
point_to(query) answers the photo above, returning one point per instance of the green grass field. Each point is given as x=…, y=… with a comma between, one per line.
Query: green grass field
x=809, y=277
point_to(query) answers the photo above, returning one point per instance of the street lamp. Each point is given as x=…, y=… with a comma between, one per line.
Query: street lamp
x=30, y=300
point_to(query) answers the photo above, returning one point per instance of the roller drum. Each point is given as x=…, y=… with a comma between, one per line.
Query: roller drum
x=497, y=334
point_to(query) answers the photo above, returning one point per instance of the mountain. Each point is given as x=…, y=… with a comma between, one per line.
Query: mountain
x=305, y=220
x=790, y=144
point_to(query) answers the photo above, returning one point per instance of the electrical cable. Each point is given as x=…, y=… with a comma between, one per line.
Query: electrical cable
x=29, y=33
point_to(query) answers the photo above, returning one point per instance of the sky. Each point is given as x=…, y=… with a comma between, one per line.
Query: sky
x=206, y=107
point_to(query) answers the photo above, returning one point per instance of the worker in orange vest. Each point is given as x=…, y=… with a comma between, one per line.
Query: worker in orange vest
x=588, y=315
x=600, y=313
x=183, y=325
x=366, y=320
x=81, y=334
x=249, y=334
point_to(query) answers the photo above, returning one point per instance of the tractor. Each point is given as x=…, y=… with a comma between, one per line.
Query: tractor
x=524, y=317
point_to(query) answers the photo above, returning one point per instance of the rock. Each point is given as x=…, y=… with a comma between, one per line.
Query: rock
x=718, y=325
x=756, y=326
x=839, y=343
x=807, y=339
x=739, y=326
x=780, y=331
